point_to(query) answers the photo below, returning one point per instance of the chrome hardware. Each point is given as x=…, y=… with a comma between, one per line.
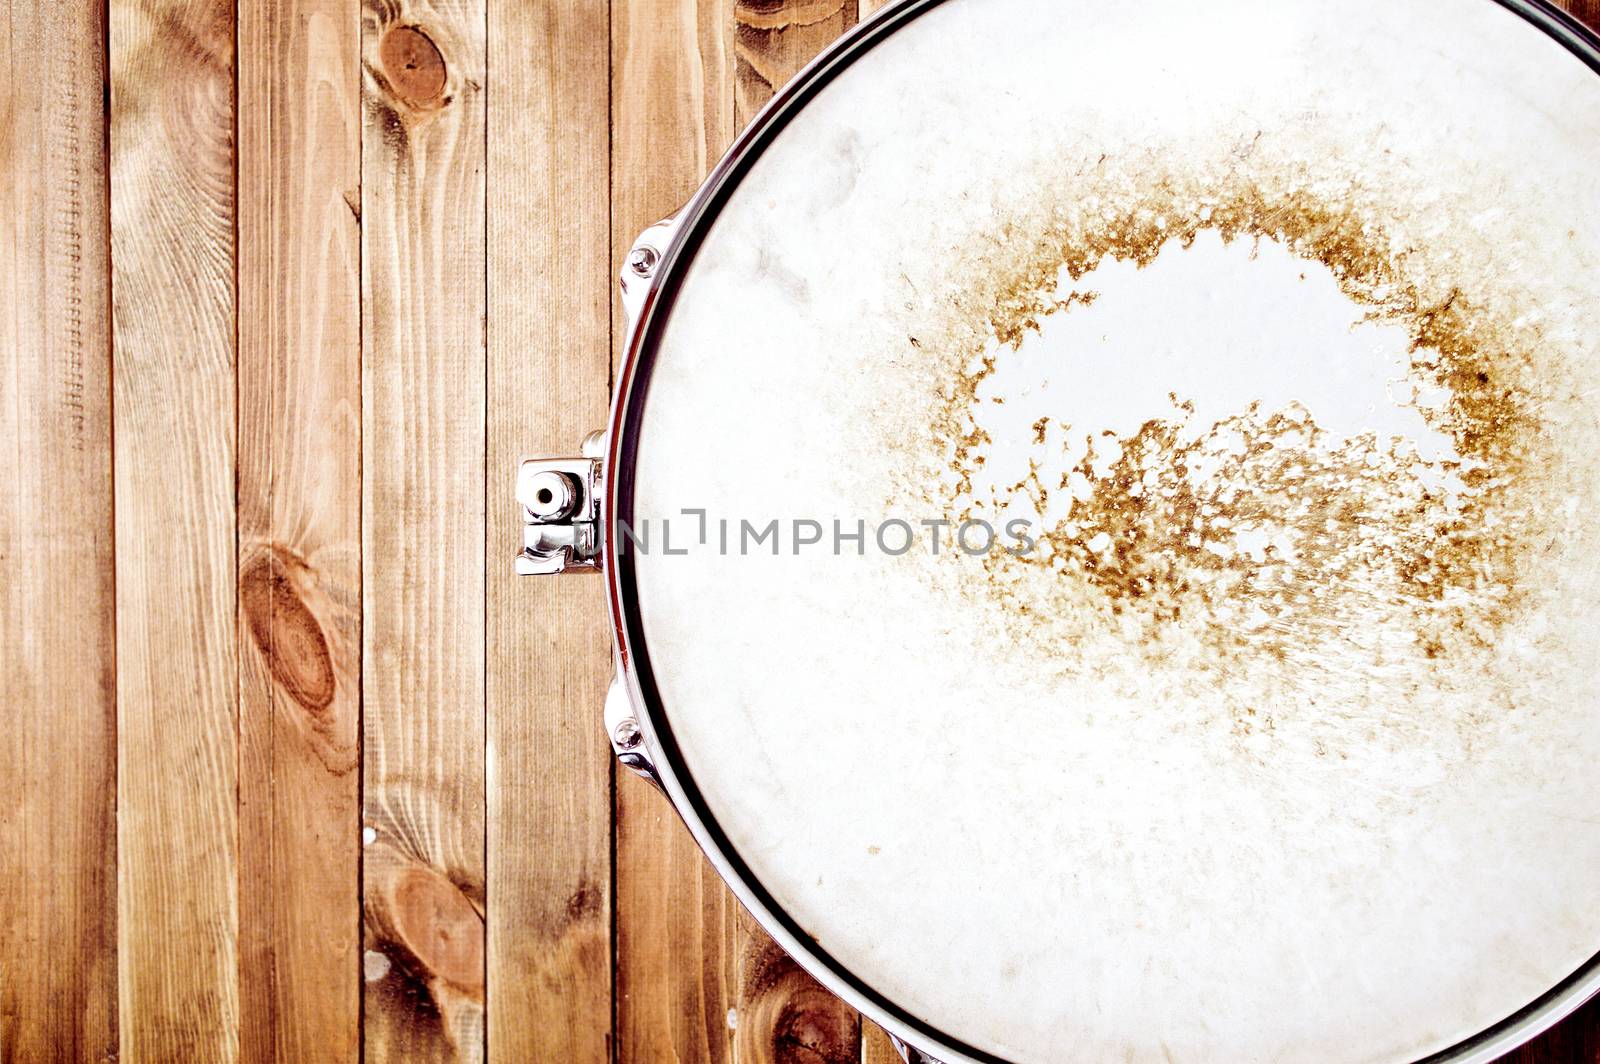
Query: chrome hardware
x=639, y=270
x=560, y=501
x=643, y=260
x=627, y=737
x=551, y=494
x=560, y=497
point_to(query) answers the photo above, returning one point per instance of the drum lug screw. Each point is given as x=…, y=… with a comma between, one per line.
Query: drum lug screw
x=642, y=261
x=627, y=735
x=638, y=275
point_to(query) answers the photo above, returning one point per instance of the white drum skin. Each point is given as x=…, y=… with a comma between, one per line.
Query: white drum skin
x=1285, y=752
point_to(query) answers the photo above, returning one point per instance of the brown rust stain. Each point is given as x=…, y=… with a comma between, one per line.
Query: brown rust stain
x=1152, y=543
x=286, y=631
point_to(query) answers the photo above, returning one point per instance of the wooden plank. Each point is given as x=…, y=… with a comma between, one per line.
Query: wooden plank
x=671, y=118
x=423, y=528
x=773, y=39
x=299, y=608
x=58, y=990
x=549, y=658
x=172, y=243
x=676, y=967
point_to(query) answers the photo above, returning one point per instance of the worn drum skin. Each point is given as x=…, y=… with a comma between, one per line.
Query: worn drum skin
x=1276, y=325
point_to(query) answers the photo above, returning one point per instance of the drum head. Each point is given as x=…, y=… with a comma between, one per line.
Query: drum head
x=1262, y=337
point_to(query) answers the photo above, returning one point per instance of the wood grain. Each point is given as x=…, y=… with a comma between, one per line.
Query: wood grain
x=58, y=976
x=773, y=39
x=422, y=213
x=549, y=657
x=299, y=507
x=671, y=118
x=172, y=253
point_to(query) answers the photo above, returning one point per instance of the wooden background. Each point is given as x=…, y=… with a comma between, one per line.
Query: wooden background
x=292, y=768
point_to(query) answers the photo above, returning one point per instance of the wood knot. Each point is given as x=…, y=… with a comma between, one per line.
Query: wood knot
x=815, y=1028
x=413, y=66
x=436, y=926
x=790, y=1019
x=286, y=631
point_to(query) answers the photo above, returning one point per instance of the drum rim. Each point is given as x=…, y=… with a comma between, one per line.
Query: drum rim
x=633, y=661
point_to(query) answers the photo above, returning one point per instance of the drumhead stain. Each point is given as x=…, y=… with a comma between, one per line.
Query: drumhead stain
x=1260, y=548
x=1281, y=746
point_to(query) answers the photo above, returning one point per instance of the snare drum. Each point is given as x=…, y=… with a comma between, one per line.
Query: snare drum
x=1099, y=526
